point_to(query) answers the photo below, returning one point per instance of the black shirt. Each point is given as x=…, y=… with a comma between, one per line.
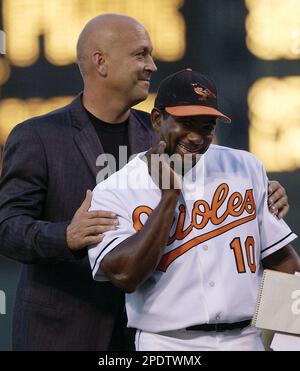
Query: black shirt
x=111, y=137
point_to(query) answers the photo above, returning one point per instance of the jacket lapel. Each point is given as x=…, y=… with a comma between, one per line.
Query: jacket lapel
x=139, y=135
x=85, y=135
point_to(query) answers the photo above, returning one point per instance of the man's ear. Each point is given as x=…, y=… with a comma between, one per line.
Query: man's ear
x=100, y=62
x=156, y=118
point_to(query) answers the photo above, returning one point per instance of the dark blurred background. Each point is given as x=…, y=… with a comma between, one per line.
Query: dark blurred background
x=251, y=49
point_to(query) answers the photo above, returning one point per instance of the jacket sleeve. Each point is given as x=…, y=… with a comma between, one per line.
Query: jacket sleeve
x=23, y=186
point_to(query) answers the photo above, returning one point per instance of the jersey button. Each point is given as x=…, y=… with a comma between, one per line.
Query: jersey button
x=218, y=317
x=205, y=247
x=212, y=284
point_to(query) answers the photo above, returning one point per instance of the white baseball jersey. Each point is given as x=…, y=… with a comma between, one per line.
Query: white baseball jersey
x=211, y=267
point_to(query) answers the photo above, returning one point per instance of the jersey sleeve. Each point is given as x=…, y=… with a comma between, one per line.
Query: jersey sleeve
x=104, y=199
x=274, y=232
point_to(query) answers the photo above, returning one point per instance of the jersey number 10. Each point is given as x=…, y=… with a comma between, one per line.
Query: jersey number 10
x=249, y=251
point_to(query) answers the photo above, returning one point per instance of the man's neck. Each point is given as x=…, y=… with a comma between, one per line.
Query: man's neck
x=105, y=108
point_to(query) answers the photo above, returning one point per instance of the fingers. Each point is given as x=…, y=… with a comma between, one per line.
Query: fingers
x=277, y=196
x=280, y=202
x=96, y=230
x=278, y=205
x=283, y=211
x=96, y=226
x=89, y=222
x=86, y=204
x=87, y=227
x=162, y=170
x=101, y=214
x=161, y=147
x=79, y=235
x=93, y=240
x=275, y=192
x=273, y=186
x=277, y=199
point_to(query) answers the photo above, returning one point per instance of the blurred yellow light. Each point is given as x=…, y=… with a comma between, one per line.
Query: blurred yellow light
x=148, y=104
x=274, y=114
x=4, y=70
x=60, y=22
x=273, y=28
x=13, y=111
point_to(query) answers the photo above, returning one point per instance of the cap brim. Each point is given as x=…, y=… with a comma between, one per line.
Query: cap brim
x=196, y=111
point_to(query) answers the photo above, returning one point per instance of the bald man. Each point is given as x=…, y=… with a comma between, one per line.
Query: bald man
x=49, y=167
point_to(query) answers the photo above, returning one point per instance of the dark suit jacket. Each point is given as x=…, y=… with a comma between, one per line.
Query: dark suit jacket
x=49, y=163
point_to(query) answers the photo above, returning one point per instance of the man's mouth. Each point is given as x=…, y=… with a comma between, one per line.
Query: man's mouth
x=145, y=79
x=193, y=150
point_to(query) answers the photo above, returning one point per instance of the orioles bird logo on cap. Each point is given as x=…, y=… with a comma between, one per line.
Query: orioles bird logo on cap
x=203, y=92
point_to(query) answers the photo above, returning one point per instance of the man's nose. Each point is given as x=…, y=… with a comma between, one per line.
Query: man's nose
x=196, y=138
x=151, y=66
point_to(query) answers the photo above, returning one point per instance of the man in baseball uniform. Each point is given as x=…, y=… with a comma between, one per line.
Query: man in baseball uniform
x=194, y=233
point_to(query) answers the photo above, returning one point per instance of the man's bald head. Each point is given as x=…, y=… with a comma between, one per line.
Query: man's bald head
x=101, y=33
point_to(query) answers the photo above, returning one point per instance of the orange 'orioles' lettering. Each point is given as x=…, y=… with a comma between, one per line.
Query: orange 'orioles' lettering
x=136, y=216
x=203, y=213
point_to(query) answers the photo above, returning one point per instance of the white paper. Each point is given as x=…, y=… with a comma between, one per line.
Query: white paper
x=285, y=342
